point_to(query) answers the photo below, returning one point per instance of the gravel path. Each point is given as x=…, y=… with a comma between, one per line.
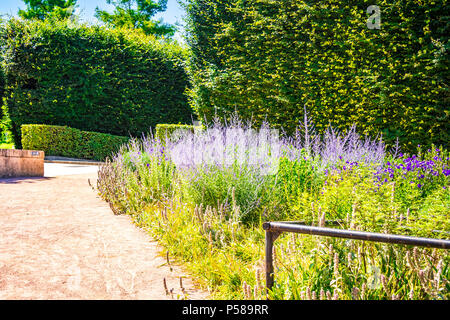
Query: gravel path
x=59, y=240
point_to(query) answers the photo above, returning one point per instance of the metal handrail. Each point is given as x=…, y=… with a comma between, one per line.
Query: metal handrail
x=274, y=229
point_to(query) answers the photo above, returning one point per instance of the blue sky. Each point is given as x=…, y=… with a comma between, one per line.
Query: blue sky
x=86, y=9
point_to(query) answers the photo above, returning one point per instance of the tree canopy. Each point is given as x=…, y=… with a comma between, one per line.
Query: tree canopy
x=42, y=9
x=137, y=14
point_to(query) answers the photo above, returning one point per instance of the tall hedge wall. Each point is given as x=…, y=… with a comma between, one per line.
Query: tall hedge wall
x=2, y=89
x=266, y=57
x=92, y=78
x=2, y=79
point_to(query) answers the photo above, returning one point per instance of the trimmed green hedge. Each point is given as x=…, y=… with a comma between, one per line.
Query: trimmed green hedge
x=69, y=142
x=165, y=130
x=2, y=89
x=2, y=121
x=92, y=78
x=268, y=58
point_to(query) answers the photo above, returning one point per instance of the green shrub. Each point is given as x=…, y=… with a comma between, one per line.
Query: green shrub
x=70, y=142
x=92, y=78
x=267, y=59
x=163, y=131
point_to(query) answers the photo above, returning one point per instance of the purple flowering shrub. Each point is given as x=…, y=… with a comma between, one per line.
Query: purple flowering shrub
x=426, y=171
x=226, y=165
x=301, y=165
x=334, y=149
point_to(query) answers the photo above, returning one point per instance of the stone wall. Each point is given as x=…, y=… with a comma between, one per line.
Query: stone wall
x=21, y=163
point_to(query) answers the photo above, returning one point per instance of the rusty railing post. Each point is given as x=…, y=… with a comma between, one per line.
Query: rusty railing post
x=271, y=236
x=269, y=261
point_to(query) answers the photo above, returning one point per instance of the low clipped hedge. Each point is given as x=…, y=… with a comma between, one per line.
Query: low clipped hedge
x=165, y=130
x=69, y=142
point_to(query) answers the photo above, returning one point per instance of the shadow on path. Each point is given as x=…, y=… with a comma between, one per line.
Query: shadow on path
x=23, y=180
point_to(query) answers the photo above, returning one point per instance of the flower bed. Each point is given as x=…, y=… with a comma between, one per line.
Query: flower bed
x=204, y=195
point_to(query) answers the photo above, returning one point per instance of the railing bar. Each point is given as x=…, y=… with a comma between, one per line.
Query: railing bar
x=358, y=235
x=340, y=222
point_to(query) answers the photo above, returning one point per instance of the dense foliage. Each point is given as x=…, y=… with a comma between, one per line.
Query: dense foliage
x=92, y=78
x=5, y=134
x=2, y=89
x=268, y=58
x=204, y=195
x=70, y=142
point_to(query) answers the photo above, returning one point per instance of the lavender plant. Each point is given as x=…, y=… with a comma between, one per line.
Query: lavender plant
x=334, y=149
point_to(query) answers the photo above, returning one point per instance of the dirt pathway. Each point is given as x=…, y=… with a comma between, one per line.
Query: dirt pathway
x=59, y=240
